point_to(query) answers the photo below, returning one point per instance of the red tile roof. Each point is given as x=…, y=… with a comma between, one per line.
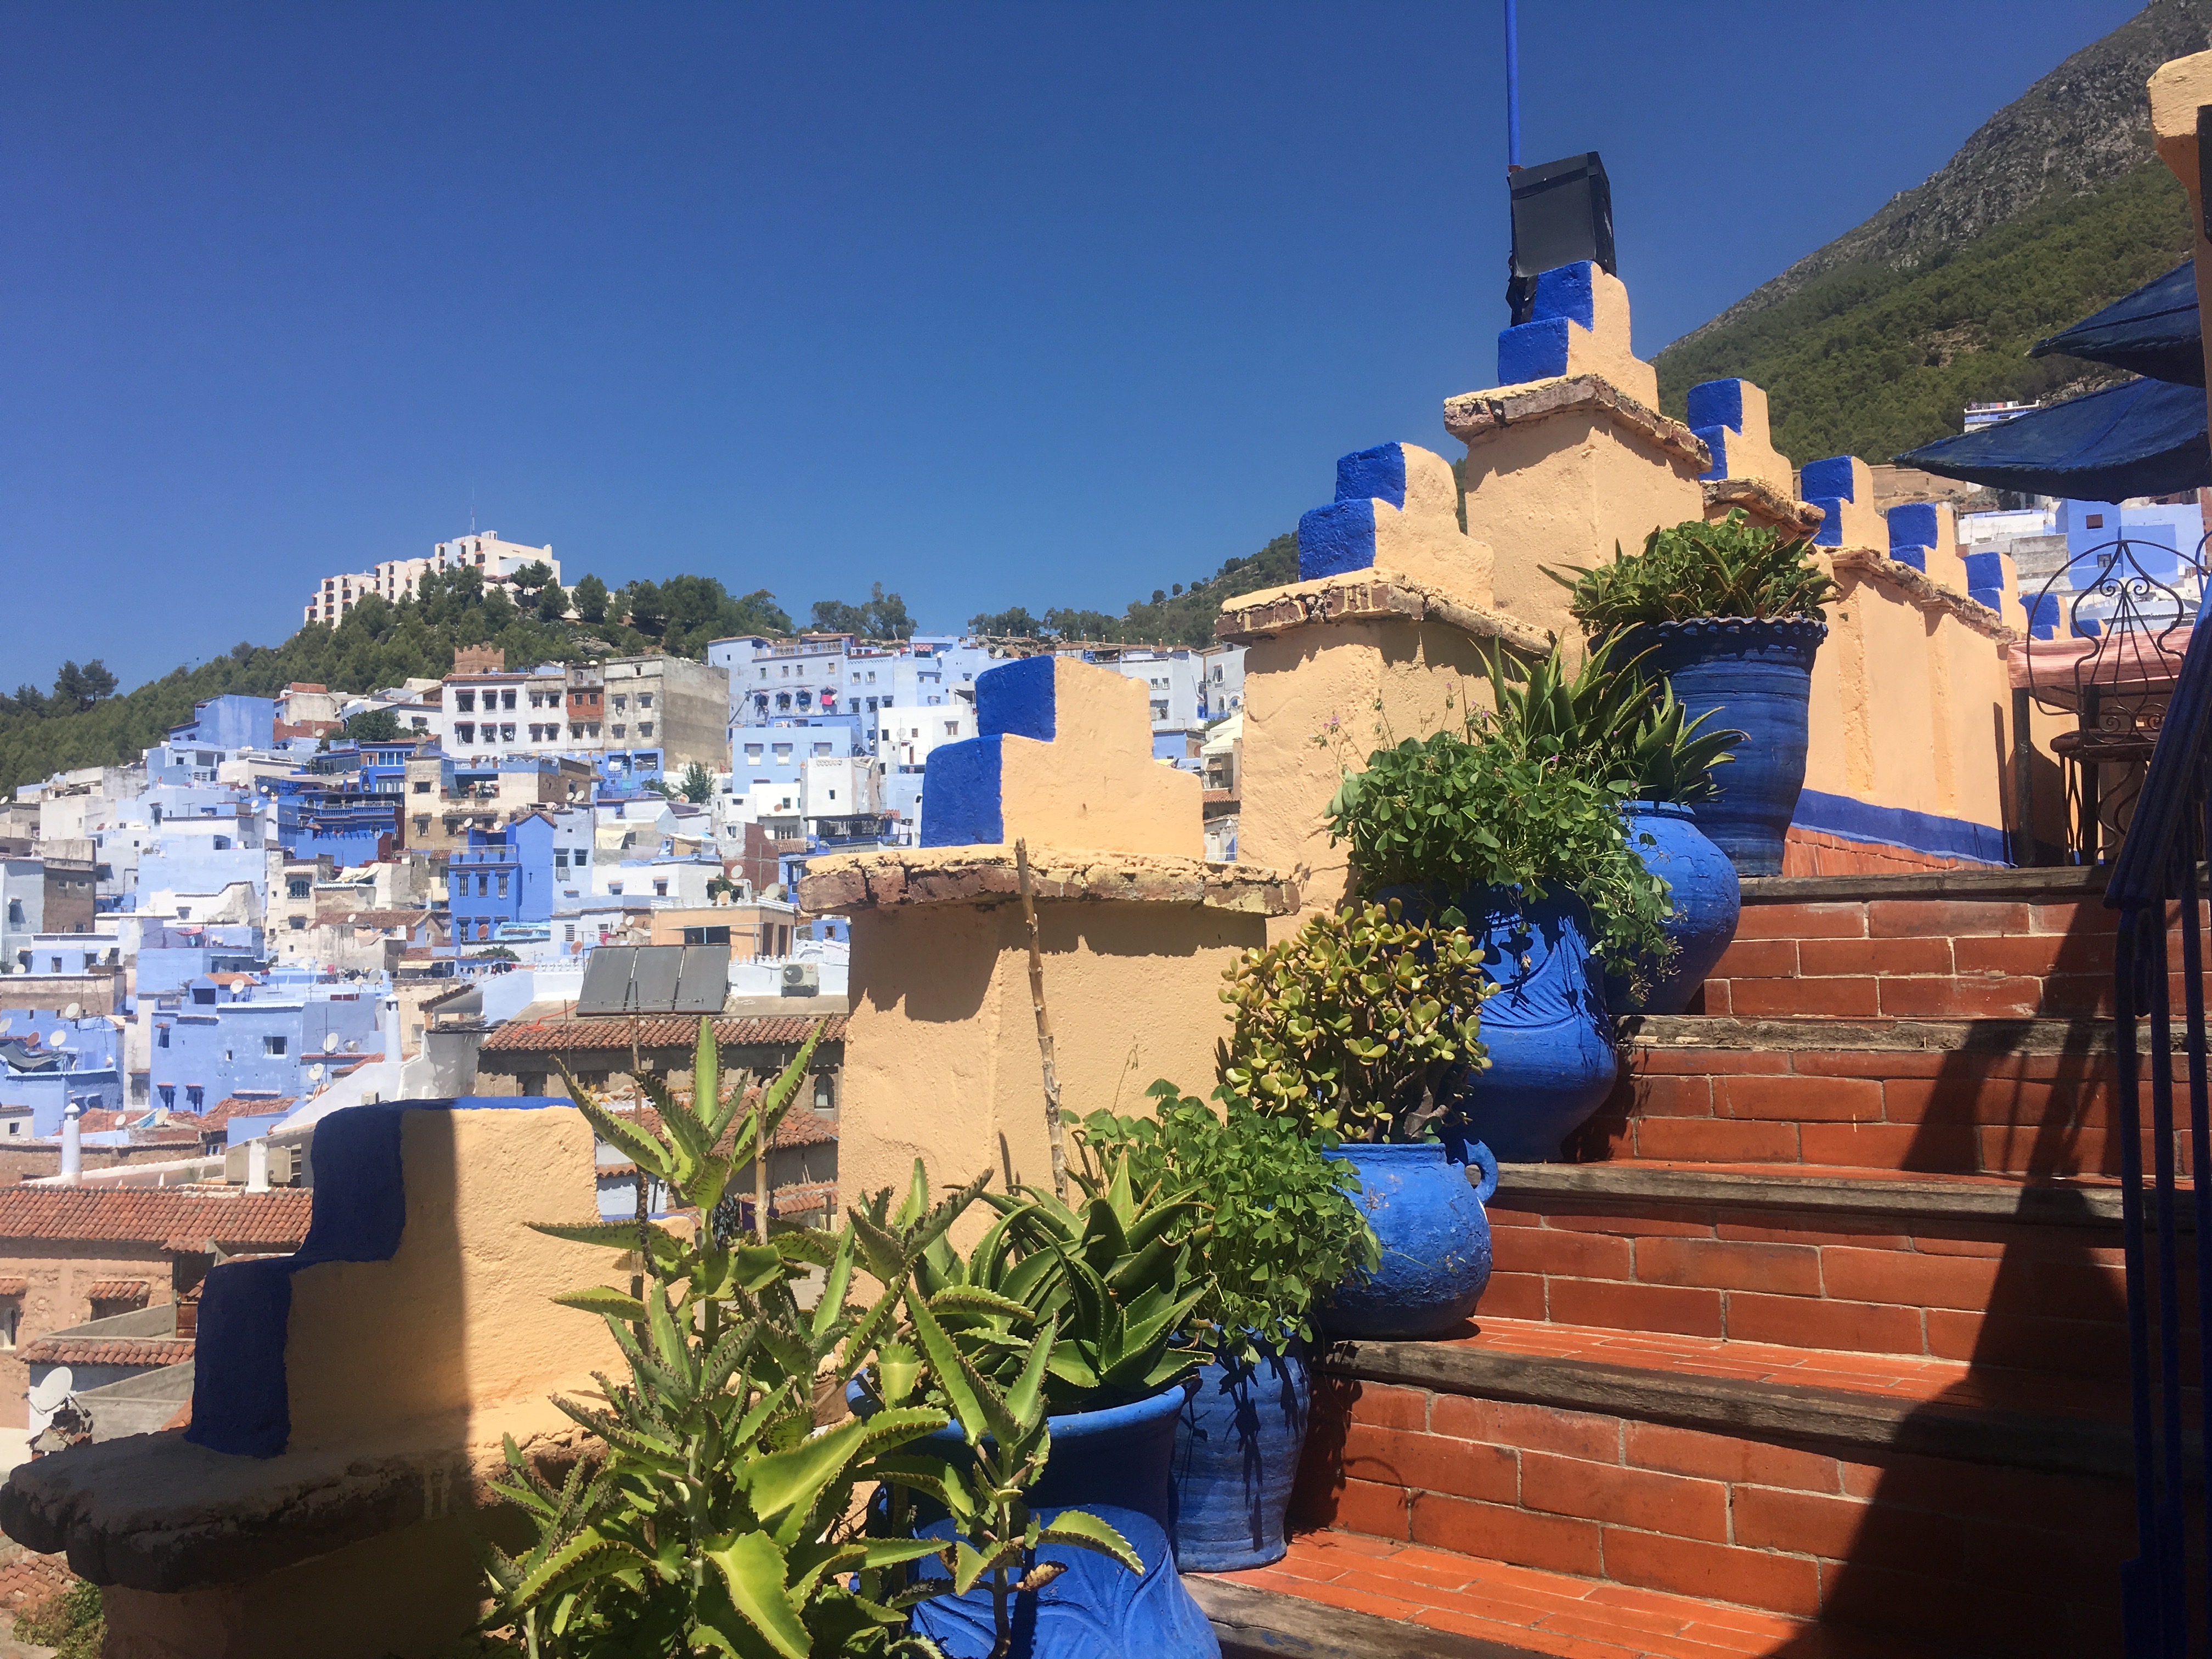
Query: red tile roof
x=231, y=1106
x=119, y=1289
x=171, y=1219
x=655, y=1031
x=13, y=1286
x=29, y=1580
x=108, y=1350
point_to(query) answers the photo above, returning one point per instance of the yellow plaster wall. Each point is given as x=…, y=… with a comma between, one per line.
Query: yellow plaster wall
x=1750, y=453
x=1562, y=490
x=941, y=1053
x=458, y=1325
x=2177, y=91
x=1604, y=348
x=1424, y=541
x=1295, y=684
x=1864, y=525
x=1096, y=784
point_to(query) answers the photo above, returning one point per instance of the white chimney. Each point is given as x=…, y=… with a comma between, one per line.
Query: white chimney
x=72, y=1143
x=257, y=1164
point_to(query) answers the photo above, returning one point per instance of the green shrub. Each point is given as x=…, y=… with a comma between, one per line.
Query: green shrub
x=71, y=1623
x=1731, y=569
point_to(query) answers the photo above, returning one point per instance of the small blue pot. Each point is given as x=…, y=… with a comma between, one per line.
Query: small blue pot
x=1755, y=676
x=1707, y=901
x=1429, y=1219
x=1546, y=1028
x=1237, y=1450
x=1119, y=1464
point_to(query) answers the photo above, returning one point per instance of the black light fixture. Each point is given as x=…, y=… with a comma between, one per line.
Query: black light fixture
x=1562, y=215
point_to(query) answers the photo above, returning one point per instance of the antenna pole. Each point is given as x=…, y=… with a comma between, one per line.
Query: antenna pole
x=1512, y=88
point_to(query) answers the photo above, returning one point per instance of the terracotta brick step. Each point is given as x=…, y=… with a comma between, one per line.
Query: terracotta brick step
x=2018, y=947
x=1353, y=1597
x=1980, y=1515
x=2027, y=1098
x=1999, y=1274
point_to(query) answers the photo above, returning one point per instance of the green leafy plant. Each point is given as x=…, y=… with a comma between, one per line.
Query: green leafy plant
x=1285, y=1227
x=1606, y=718
x=1350, y=1026
x=1445, y=814
x=72, y=1622
x=1729, y=569
x=716, y=1518
x=963, y=1342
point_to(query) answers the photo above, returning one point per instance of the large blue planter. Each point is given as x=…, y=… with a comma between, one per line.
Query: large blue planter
x=1236, y=1457
x=1756, y=678
x=1429, y=1219
x=1707, y=901
x=1547, y=1028
x=1119, y=1464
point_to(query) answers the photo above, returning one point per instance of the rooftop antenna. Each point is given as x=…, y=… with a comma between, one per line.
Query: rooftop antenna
x=1512, y=89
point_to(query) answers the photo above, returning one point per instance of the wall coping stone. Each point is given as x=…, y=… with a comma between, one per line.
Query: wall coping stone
x=1763, y=500
x=2058, y=1203
x=155, y=1512
x=2057, y=884
x=1817, y=1035
x=985, y=875
x=1367, y=596
x=1929, y=595
x=1480, y=417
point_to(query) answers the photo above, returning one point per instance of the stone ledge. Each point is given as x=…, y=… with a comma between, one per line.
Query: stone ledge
x=2053, y=885
x=1927, y=593
x=1371, y=596
x=985, y=875
x=1809, y=1415
x=1480, y=417
x=1262, y=1624
x=154, y=1512
x=1949, y=1200
x=1814, y=1034
x=1766, y=504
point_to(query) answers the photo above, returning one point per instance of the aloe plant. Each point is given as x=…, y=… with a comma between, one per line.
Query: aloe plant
x=1606, y=718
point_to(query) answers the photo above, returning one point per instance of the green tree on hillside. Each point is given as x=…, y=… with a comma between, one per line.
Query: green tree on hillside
x=590, y=599
x=374, y=726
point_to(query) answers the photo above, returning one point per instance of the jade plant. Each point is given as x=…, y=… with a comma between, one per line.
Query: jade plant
x=1285, y=1227
x=1730, y=567
x=1352, y=1025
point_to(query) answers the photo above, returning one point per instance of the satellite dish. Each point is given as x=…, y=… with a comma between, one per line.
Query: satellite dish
x=330, y=1043
x=353, y=1045
x=51, y=1389
x=73, y=1012
x=315, y=1072
x=56, y=1038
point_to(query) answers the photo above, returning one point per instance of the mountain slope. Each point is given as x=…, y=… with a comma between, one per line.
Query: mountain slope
x=2054, y=207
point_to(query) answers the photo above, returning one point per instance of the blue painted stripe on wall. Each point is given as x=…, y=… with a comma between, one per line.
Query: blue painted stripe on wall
x=1715, y=438
x=241, y=1400
x=1565, y=293
x=1830, y=477
x=1532, y=351
x=1915, y=556
x=1018, y=699
x=1984, y=569
x=1912, y=524
x=1335, y=538
x=1379, y=474
x=1716, y=403
x=1831, y=532
x=1898, y=826
x=961, y=801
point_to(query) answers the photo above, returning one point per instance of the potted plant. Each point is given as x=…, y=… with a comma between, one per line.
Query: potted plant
x=1065, y=1327
x=1641, y=740
x=1532, y=848
x=1285, y=1230
x=1359, y=1027
x=1730, y=615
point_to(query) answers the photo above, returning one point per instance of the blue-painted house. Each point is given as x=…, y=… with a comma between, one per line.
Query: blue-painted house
x=222, y=1035
x=229, y=721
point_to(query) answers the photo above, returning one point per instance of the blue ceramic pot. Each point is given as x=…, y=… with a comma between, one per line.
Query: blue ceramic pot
x=1119, y=1464
x=1706, y=896
x=1428, y=1216
x=1547, y=1028
x=1756, y=678
x=1237, y=1451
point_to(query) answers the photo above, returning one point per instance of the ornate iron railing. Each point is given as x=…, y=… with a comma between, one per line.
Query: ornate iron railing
x=2155, y=882
x=2131, y=601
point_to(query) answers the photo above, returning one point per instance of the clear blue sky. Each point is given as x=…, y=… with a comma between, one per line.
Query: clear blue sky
x=1032, y=304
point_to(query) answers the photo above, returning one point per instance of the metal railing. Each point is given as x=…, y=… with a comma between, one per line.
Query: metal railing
x=2156, y=876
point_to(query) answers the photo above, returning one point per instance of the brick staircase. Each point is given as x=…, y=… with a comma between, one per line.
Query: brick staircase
x=1817, y=1347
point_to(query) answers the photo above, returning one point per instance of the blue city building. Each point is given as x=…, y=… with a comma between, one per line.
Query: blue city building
x=501, y=877
x=218, y=1038
x=229, y=721
x=46, y=1062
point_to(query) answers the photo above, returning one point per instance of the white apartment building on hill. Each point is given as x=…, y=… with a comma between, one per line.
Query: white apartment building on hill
x=395, y=579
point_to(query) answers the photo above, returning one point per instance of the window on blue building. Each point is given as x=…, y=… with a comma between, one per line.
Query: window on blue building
x=168, y=1092
x=193, y=1095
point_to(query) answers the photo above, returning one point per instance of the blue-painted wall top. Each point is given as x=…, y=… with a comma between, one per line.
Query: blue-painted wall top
x=1717, y=402
x=961, y=803
x=1379, y=474
x=1830, y=479
x=1913, y=524
x=1017, y=700
x=1336, y=539
x=1565, y=292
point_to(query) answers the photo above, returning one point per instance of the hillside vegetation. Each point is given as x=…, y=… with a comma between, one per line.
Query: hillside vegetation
x=1180, y=615
x=1868, y=361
